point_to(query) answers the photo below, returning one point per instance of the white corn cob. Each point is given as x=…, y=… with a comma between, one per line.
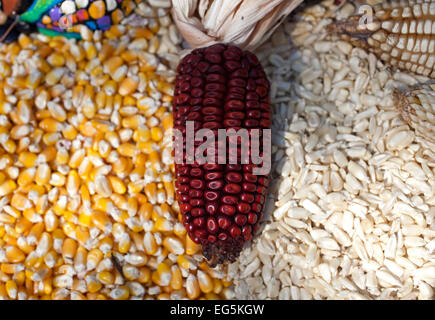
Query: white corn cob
x=402, y=34
x=417, y=106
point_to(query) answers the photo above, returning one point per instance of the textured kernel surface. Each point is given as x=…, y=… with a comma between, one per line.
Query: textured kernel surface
x=402, y=34
x=87, y=197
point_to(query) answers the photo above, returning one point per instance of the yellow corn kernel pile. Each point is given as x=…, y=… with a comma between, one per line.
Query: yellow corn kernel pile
x=87, y=201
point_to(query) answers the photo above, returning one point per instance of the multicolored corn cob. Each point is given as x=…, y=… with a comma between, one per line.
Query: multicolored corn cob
x=221, y=87
x=417, y=106
x=69, y=18
x=401, y=33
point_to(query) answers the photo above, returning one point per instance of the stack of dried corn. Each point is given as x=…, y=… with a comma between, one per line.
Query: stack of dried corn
x=87, y=206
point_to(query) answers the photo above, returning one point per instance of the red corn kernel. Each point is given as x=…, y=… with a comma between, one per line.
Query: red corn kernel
x=252, y=218
x=227, y=209
x=235, y=232
x=243, y=207
x=232, y=188
x=247, y=197
x=229, y=200
x=224, y=222
x=240, y=219
x=196, y=212
x=212, y=225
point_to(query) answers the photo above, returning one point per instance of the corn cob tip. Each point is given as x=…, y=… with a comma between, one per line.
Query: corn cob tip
x=349, y=30
x=221, y=253
x=400, y=98
x=417, y=107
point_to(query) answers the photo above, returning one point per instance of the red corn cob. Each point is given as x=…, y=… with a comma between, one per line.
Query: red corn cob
x=221, y=87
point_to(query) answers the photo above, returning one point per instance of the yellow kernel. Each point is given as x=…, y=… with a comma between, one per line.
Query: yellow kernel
x=23, y=225
x=35, y=233
x=191, y=247
x=127, y=149
x=94, y=258
x=8, y=268
x=73, y=183
x=62, y=156
x=48, y=154
x=69, y=248
x=69, y=132
x=76, y=158
x=130, y=272
x=85, y=168
x=124, y=243
x=43, y=174
x=57, y=179
x=156, y=134
x=51, y=138
x=106, y=277
x=24, y=40
x=150, y=244
x=14, y=255
x=69, y=229
x=10, y=146
x=212, y=296
x=128, y=86
x=3, y=292
x=144, y=275
x=19, y=277
x=135, y=187
x=105, y=52
x=106, y=244
x=151, y=192
x=11, y=289
x=87, y=129
x=82, y=235
x=167, y=121
x=120, y=293
x=50, y=125
x=226, y=283
x=56, y=59
x=112, y=64
x=205, y=282
x=184, y=261
x=6, y=218
x=217, y=286
x=192, y=287
x=90, y=50
x=145, y=211
x=94, y=286
x=26, y=177
x=176, y=279
x=117, y=185
x=20, y=202
x=163, y=225
x=120, y=166
x=101, y=220
x=2, y=177
x=7, y=187
x=163, y=275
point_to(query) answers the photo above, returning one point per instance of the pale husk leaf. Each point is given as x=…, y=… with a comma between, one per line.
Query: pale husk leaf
x=245, y=23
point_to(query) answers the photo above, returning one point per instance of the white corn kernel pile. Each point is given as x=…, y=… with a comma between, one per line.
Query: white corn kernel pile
x=351, y=207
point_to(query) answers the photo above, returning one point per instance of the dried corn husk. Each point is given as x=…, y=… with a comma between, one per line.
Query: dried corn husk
x=245, y=23
x=417, y=106
x=402, y=34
